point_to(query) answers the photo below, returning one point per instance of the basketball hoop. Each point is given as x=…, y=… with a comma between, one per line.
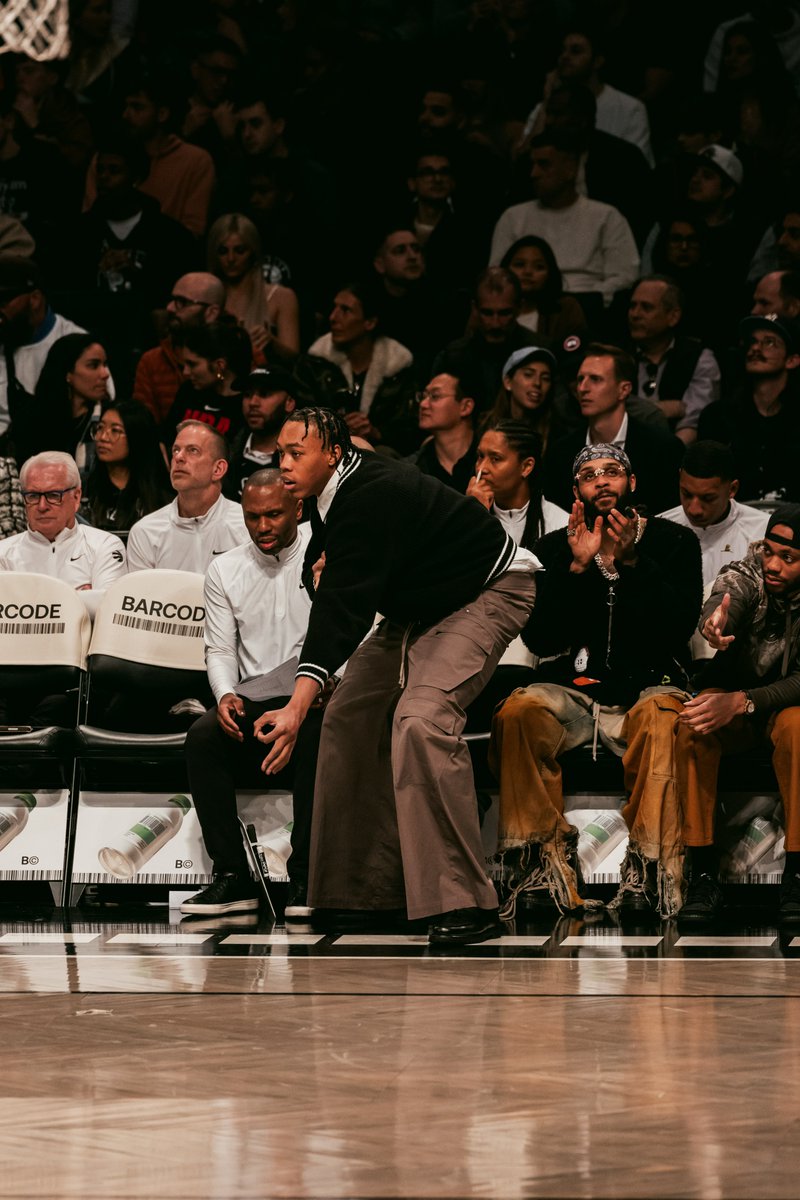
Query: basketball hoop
x=36, y=28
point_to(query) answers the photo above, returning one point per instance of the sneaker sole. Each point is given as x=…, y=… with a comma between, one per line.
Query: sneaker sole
x=298, y=912
x=213, y=910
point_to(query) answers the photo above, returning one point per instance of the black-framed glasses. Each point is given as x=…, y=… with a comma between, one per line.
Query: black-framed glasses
x=54, y=497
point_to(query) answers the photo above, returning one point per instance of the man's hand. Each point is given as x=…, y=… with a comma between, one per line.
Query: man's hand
x=712, y=710
x=317, y=569
x=229, y=708
x=480, y=489
x=714, y=626
x=583, y=542
x=622, y=531
x=360, y=424
x=284, y=726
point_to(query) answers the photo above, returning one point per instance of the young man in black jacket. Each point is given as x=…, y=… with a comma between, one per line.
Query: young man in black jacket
x=396, y=818
x=616, y=605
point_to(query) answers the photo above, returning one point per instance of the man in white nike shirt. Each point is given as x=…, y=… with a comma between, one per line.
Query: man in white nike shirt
x=256, y=621
x=200, y=523
x=55, y=543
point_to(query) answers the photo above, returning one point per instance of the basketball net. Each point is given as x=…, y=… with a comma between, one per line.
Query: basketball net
x=36, y=28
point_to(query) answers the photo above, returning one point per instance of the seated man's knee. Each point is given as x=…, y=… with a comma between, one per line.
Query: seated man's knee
x=787, y=726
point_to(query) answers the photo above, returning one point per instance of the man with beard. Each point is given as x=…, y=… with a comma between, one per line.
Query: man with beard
x=750, y=697
x=28, y=329
x=269, y=396
x=615, y=608
x=197, y=299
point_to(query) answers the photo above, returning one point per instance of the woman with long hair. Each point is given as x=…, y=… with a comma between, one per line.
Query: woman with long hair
x=216, y=363
x=129, y=478
x=269, y=312
x=69, y=395
x=545, y=308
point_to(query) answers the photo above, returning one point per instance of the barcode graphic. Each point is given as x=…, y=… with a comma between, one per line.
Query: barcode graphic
x=173, y=877
x=53, y=875
x=195, y=631
x=44, y=627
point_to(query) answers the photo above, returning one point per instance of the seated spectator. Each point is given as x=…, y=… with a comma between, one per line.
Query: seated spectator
x=749, y=698
x=605, y=380
x=216, y=358
x=268, y=312
x=362, y=375
x=55, y=542
x=608, y=680
x=675, y=371
x=451, y=243
x=268, y=398
x=49, y=112
x=681, y=252
x=779, y=248
x=477, y=358
x=209, y=120
x=761, y=420
x=413, y=312
x=29, y=328
x=725, y=527
x=779, y=293
x=528, y=393
x=612, y=170
x=446, y=419
x=181, y=176
x=544, y=308
x=123, y=254
x=196, y=299
x=200, y=523
x=256, y=621
x=507, y=482
x=33, y=178
x=72, y=388
x=581, y=61
x=782, y=23
x=592, y=242
x=128, y=478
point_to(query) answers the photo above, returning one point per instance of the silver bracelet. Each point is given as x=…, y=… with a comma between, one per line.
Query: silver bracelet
x=639, y=530
x=612, y=575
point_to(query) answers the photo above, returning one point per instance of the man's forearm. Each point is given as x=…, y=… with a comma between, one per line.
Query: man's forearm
x=305, y=693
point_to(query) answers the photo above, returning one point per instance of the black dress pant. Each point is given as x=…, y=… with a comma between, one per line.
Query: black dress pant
x=216, y=764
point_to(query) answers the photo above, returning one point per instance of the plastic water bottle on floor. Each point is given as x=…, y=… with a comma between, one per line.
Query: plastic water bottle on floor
x=758, y=838
x=14, y=818
x=597, y=839
x=125, y=857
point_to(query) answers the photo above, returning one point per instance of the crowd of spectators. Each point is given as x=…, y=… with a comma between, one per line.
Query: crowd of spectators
x=483, y=232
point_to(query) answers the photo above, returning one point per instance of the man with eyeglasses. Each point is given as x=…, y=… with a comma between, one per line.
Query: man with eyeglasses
x=674, y=370
x=760, y=421
x=197, y=299
x=55, y=543
x=446, y=419
x=616, y=605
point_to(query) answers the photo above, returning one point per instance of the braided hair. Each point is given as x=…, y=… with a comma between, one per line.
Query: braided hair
x=525, y=443
x=331, y=429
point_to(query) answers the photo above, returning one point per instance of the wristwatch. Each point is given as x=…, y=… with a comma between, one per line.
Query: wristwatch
x=749, y=706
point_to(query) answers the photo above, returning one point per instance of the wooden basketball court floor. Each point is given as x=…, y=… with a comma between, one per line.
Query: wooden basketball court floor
x=148, y=1056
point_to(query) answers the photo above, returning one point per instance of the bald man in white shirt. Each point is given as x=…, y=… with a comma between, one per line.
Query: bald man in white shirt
x=257, y=612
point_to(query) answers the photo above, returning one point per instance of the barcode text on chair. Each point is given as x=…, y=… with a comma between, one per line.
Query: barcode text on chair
x=151, y=626
x=40, y=627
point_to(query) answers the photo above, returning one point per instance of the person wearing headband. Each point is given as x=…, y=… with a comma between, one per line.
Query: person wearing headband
x=615, y=608
x=749, y=697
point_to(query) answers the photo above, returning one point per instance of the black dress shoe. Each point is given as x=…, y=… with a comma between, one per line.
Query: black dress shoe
x=704, y=901
x=462, y=926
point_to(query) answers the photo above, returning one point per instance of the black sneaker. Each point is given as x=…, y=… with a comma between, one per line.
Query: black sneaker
x=227, y=893
x=704, y=900
x=297, y=906
x=790, y=900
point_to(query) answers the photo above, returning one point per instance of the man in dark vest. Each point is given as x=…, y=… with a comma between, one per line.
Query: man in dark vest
x=676, y=371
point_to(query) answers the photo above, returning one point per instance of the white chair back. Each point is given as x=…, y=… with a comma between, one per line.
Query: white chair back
x=43, y=622
x=153, y=617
